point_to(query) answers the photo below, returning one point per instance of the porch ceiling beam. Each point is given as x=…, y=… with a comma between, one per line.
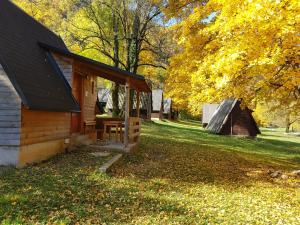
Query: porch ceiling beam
x=85, y=70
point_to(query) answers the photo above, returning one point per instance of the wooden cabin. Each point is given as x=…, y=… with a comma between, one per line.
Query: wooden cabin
x=169, y=112
x=105, y=101
x=48, y=94
x=231, y=119
x=157, y=104
x=162, y=108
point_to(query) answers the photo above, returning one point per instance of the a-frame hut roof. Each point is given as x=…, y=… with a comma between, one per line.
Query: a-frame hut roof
x=221, y=115
x=29, y=68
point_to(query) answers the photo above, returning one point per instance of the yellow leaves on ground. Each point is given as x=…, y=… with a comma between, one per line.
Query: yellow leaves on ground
x=180, y=175
x=242, y=49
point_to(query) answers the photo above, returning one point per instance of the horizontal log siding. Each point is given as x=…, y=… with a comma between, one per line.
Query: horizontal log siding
x=10, y=121
x=40, y=126
x=65, y=67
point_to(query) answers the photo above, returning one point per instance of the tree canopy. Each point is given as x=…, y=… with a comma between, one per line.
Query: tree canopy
x=243, y=49
x=128, y=34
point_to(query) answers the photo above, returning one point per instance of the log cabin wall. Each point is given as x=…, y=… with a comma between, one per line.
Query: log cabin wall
x=89, y=88
x=10, y=121
x=89, y=97
x=43, y=134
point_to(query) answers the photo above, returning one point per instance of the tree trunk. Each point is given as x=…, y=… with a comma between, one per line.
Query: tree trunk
x=115, y=100
x=133, y=52
x=116, y=86
x=287, y=123
x=149, y=106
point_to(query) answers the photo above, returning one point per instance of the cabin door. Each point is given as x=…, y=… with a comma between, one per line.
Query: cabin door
x=76, y=122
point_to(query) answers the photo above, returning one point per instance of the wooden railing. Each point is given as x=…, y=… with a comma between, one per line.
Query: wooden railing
x=134, y=129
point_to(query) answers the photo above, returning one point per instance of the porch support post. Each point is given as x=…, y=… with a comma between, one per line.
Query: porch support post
x=138, y=101
x=127, y=110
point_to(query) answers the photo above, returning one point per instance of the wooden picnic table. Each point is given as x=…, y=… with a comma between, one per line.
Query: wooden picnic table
x=118, y=125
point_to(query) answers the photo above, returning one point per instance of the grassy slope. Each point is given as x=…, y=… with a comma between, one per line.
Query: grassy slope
x=181, y=175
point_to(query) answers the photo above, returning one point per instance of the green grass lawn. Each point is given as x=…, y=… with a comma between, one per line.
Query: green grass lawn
x=180, y=175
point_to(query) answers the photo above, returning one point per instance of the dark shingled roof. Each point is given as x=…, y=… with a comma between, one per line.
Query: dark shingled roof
x=30, y=69
x=220, y=116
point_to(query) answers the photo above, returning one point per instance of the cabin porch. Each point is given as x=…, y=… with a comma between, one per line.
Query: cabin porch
x=114, y=133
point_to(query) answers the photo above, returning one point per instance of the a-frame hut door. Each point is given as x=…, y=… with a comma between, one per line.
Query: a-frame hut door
x=76, y=123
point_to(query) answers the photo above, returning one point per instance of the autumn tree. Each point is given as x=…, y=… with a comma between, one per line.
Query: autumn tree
x=270, y=114
x=243, y=49
x=128, y=34
x=121, y=31
x=52, y=13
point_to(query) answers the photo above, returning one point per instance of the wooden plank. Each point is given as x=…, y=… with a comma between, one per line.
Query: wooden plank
x=10, y=106
x=29, y=129
x=42, y=140
x=127, y=109
x=9, y=130
x=10, y=112
x=40, y=151
x=10, y=142
x=14, y=118
x=135, y=127
x=8, y=136
x=138, y=100
x=43, y=126
x=10, y=124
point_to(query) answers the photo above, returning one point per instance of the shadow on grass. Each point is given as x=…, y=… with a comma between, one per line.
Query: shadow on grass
x=70, y=189
x=200, y=136
x=184, y=154
x=149, y=183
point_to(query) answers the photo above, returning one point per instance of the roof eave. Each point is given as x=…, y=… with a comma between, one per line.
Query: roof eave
x=129, y=75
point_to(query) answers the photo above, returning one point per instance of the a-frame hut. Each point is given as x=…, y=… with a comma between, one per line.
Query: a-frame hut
x=231, y=119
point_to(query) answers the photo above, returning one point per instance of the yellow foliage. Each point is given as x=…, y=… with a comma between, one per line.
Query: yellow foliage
x=243, y=49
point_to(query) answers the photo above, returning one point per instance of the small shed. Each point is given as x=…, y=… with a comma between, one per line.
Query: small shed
x=169, y=112
x=105, y=99
x=208, y=111
x=231, y=119
x=157, y=103
x=161, y=106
